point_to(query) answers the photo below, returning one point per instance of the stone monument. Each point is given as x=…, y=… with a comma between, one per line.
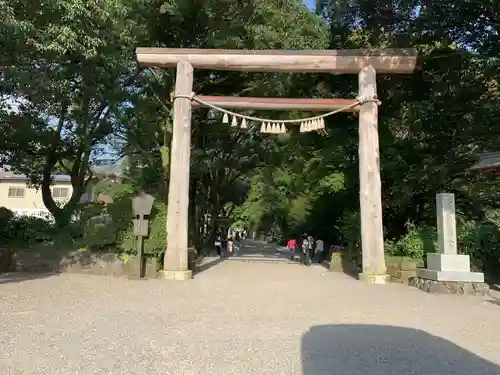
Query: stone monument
x=448, y=271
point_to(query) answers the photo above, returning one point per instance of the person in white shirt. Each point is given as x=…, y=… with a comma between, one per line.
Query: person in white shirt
x=218, y=244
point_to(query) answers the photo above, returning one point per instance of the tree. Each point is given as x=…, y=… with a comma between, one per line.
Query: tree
x=70, y=66
x=221, y=157
x=431, y=123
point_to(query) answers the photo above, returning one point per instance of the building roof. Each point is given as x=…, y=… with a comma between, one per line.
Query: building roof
x=487, y=160
x=6, y=175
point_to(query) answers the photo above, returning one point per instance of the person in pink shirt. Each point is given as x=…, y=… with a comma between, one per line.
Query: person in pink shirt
x=291, y=245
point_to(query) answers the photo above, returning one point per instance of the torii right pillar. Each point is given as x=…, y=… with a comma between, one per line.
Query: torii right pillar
x=370, y=194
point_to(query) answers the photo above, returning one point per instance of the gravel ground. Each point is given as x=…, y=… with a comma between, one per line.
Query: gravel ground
x=258, y=314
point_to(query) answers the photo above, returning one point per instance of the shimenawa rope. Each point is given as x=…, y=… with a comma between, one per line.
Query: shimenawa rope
x=359, y=101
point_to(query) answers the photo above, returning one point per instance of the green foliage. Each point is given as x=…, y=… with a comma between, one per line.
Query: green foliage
x=99, y=232
x=71, y=64
x=104, y=226
x=332, y=183
x=417, y=242
x=481, y=240
x=30, y=230
x=87, y=211
x=23, y=231
x=91, y=226
x=26, y=231
x=156, y=243
x=298, y=212
x=350, y=228
x=120, y=210
x=6, y=217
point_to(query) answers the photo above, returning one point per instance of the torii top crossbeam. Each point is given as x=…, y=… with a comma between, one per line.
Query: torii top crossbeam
x=328, y=61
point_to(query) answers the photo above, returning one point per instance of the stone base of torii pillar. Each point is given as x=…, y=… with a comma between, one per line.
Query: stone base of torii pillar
x=448, y=271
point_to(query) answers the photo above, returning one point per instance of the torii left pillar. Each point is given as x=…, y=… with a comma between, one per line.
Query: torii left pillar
x=175, y=264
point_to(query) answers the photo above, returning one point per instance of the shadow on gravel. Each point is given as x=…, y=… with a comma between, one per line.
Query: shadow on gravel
x=495, y=286
x=207, y=265
x=495, y=302
x=384, y=350
x=17, y=277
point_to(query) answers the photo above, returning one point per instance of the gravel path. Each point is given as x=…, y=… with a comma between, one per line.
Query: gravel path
x=258, y=314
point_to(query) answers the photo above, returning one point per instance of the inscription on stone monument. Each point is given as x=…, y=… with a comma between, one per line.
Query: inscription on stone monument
x=446, y=223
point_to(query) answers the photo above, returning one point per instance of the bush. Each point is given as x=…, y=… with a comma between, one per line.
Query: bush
x=115, y=227
x=26, y=230
x=350, y=228
x=6, y=218
x=99, y=232
x=416, y=243
x=84, y=213
x=75, y=230
x=156, y=243
x=89, y=210
x=478, y=239
x=30, y=230
x=121, y=211
x=104, y=225
x=481, y=240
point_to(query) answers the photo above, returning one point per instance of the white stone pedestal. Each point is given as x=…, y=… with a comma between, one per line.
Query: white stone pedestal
x=448, y=265
x=467, y=277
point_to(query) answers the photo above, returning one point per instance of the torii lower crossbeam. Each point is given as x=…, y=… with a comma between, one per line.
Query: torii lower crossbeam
x=273, y=104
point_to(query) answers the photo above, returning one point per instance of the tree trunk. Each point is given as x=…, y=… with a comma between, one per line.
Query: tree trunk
x=62, y=215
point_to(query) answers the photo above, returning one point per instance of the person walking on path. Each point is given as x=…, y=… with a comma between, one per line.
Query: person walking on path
x=236, y=248
x=218, y=243
x=305, y=257
x=319, y=250
x=230, y=246
x=225, y=252
x=310, y=249
x=291, y=245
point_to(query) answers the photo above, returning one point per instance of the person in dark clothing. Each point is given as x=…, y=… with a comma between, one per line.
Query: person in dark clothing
x=319, y=250
x=305, y=257
x=310, y=249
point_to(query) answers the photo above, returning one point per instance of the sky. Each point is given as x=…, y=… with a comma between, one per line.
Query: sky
x=310, y=4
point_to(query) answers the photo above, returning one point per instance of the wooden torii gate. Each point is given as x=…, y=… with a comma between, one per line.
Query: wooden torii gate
x=365, y=63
